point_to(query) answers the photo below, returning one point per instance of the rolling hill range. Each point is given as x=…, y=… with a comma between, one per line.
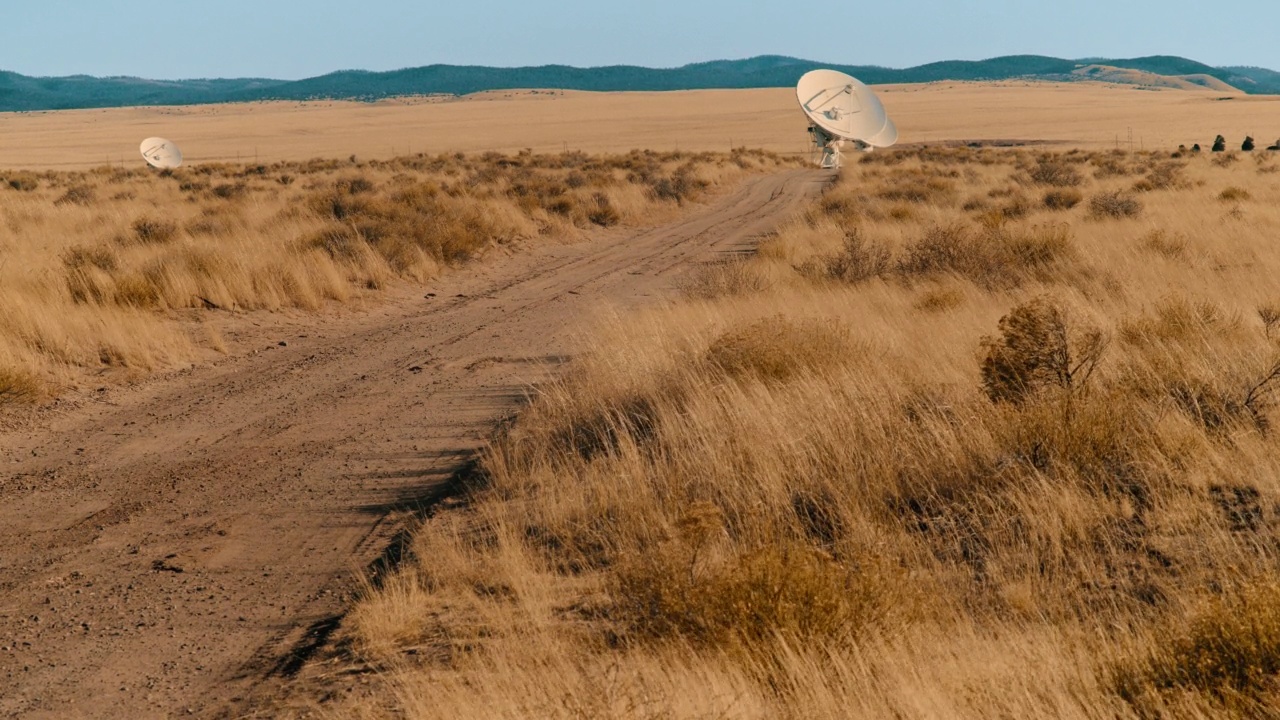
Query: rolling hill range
x=23, y=93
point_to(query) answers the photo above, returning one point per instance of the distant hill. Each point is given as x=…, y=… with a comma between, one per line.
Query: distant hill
x=22, y=93
x=1127, y=76
x=1255, y=79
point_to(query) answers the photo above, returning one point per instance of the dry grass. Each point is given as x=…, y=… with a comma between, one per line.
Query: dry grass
x=107, y=268
x=699, y=120
x=954, y=463
x=1115, y=204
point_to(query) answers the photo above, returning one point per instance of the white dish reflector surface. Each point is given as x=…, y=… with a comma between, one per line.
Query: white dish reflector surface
x=841, y=105
x=160, y=153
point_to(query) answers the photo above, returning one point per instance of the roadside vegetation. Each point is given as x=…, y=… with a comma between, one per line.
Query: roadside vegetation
x=982, y=433
x=127, y=271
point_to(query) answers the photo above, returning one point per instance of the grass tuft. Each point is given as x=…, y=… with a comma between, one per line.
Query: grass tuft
x=1114, y=204
x=17, y=386
x=1062, y=199
x=777, y=349
x=1234, y=194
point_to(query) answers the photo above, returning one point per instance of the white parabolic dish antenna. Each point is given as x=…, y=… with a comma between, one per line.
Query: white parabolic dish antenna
x=160, y=153
x=840, y=108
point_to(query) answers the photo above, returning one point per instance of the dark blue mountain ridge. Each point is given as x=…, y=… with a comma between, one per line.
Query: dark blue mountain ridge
x=24, y=93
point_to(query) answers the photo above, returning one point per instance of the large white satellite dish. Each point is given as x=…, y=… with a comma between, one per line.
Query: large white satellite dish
x=160, y=153
x=840, y=108
x=885, y=138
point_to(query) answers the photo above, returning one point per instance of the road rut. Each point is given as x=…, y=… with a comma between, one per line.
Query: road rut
x=166, y=547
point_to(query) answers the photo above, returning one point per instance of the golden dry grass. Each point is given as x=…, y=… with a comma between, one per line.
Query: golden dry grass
x=111, y=269
x=1089, y=114
x=939, y=449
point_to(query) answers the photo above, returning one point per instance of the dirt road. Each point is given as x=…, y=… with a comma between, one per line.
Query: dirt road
x=166, y=548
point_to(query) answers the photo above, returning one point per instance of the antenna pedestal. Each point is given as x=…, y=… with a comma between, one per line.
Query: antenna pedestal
x=830, y=148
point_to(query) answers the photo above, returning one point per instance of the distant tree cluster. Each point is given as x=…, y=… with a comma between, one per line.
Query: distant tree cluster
x=1220, y=145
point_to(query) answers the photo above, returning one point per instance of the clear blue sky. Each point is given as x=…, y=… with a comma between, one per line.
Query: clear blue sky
x=289, y=39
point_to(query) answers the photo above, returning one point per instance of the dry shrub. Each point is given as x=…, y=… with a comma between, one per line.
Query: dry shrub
x=137, y=291
x=901, y=213
x=993, y=256
x=1170, y=245
x=149, y=230
x=354, y=185
x=1110, y=165
x=602, y=212
x=1056, y=173
x=844, y=208
x=1033, y=248
x=230, y=191
x=1222, y=396
x=1062, y=199
x=939, y=300
x=17, y=386
x=1231, y=649
x=347, y=198
x=1225, y=160
x=788, y=590
x=777, y=349
x=725, y=279
x=1035, y=350
x=1114, y=204
x=918, y=188
x=942, y=249
x=857, y=261
x=1269, y=313
x=23, y=182
x=218, y=221
x=1234, y=194
x=1220, y=406
x=1177, y=319
x=100, y=257
x=1018, y=206
x=1165, y=176
x=89, y=272
x=412, y=228
x=193, y=186
x=82, y=195
x=678, y=187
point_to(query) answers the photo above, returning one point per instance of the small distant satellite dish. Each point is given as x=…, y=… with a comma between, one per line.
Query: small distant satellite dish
x=842, y=109
x=160, y=153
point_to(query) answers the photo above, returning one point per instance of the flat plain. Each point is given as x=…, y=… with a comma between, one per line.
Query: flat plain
x=1090, y=114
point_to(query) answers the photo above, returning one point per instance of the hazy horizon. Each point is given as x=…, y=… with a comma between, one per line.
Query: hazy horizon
x=291, y=40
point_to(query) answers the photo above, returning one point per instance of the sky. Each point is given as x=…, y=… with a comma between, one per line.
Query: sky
x=292, y=39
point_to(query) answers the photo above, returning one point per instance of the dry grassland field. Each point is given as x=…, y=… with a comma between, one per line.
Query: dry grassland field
x=961, y=431
x=1092, y=114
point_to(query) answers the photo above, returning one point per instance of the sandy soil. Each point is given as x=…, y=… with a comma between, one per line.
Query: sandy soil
x=1089, y=114
x=184, y=544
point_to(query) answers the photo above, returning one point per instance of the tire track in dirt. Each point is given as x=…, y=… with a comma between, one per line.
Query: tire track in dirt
x=169, y=547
